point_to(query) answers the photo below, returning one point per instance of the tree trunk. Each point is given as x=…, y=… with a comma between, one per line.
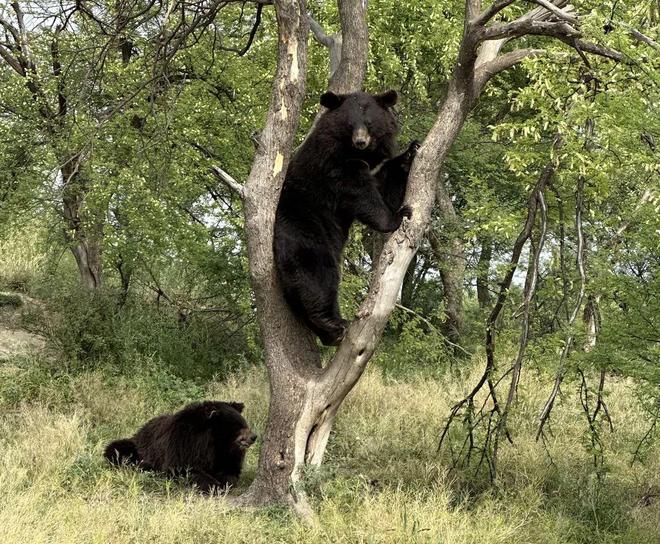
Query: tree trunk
x=84, y=237
x=305, y=397
x=483, y=268
x=292, y=358
x=591, y=318
x=408, y=287
x=449, y=252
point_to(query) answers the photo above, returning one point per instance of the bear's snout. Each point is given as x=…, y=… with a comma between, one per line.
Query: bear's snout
x=361, y=138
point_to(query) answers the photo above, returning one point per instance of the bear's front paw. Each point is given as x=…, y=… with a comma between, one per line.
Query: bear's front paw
x=405, y=211
x=411, y=152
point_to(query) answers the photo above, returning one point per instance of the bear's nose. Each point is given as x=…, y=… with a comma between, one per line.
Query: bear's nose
x=252, y=438
x=361, y=138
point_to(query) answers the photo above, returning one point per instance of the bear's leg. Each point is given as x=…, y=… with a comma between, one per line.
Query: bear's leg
x=209, y=483
x=370, y=209
x=313, y=290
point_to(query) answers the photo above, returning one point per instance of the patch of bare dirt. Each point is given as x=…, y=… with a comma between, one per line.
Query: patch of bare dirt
x=15, y=341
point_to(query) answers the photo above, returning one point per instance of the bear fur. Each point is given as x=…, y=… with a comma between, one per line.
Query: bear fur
x=206, y=440
x=343, y=171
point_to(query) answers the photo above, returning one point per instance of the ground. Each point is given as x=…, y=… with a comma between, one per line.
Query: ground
x=383, y=480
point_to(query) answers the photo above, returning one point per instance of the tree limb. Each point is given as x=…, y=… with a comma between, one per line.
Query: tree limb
x=528, y=27
x=559, y=13
x=492, y=10
x=319, y=33
x=12, y=61
x=332, y=42
x=488, y=69
x=229, y=181
x=642, y=37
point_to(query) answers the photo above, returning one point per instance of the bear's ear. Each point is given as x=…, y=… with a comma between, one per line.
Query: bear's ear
x=331, y=100
x=387, y=99
x=238, y=406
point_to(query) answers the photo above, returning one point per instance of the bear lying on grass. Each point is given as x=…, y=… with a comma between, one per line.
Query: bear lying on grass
x=345, y=170
x=206, y=440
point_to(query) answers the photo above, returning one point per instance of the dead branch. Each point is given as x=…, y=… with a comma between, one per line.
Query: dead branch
x=564, y=15
x=535, y=202
x=332, y=42
x=646, y=438
x=536, y=247
x=568, y=342
x=229, y=181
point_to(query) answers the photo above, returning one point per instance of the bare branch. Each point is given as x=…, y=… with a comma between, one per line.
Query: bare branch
x=534, y=202
x=229, y=181
x=592, y=48
x=12, y=61
x=332, y=42
x=319, y=33
x=253, y=32
x=493, y=10
x=486, y=70
x=568, y=343
x=642, y=37
x=564, y=15
x=11, y=29
x=536, y=249
x=525, y=27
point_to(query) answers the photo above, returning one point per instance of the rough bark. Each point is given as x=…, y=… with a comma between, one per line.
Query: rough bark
x=291, y=356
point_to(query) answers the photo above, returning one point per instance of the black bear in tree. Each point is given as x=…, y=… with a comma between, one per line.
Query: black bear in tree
x=206, y=440
x=344, y=170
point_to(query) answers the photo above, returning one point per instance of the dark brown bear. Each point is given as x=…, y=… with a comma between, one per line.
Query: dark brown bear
x=345, y=170
x=206, y=440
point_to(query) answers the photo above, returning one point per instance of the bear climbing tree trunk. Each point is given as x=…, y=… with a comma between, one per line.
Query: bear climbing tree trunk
x=305, y=396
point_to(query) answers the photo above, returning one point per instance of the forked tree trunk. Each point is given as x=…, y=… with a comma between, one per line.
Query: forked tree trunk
x=305, y=397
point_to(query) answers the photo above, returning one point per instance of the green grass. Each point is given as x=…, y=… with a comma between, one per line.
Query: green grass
x=382, y=481
x=10, y=300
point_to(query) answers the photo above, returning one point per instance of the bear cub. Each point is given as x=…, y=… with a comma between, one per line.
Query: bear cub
x=344, y=171
x=206, y=440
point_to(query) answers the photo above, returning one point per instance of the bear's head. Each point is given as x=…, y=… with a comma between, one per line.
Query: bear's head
x=362, y=123
x=228, y=425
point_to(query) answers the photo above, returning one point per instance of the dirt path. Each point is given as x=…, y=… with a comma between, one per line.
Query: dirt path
x=14, y=341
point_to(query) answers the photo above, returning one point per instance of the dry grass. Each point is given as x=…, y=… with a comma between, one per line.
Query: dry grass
x=382, y=481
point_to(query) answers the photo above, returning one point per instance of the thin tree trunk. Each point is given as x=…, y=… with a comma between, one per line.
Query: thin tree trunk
x=408, y=287
x=483, y=268
x=449, y=252
x=84, y=237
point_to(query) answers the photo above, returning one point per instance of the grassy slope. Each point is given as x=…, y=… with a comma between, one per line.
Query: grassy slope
x=382, y=482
